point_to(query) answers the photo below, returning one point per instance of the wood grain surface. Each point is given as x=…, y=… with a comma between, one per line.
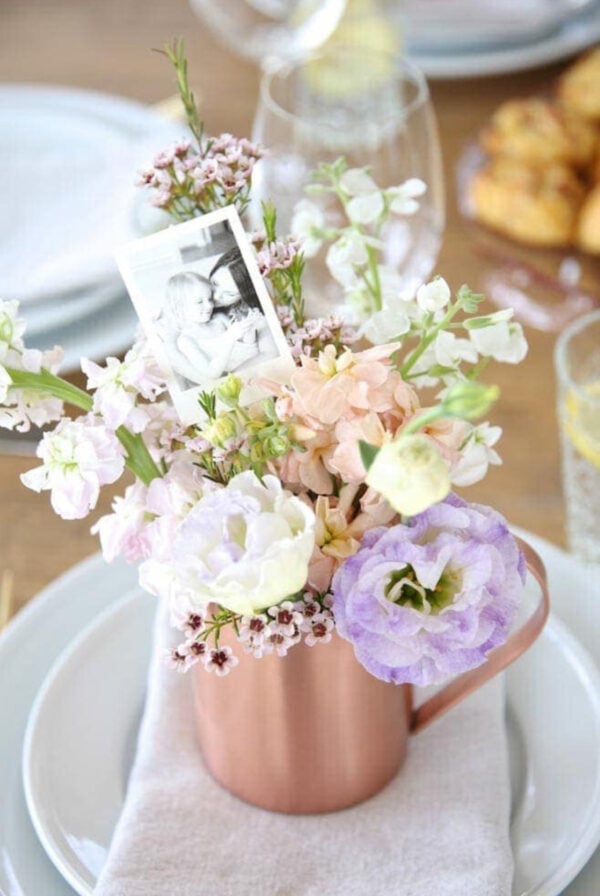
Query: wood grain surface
x=106, y=45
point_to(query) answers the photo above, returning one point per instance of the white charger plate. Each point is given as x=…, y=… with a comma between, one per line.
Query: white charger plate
x=572, y=37
x=94, y=695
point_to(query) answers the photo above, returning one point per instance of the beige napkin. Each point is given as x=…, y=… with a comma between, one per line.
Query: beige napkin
x=439, y=829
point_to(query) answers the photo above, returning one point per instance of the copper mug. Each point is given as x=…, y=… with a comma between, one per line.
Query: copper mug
x=314, y=731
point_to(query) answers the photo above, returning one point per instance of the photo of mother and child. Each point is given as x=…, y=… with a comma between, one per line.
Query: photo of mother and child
x=214, y=325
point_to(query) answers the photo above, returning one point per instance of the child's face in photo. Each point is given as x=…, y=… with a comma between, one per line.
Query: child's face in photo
x=225, y=289
x=200, y=304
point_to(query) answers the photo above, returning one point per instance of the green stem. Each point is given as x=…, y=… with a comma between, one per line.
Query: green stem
x=427, y=340
x=44, y=381
x=375, y=286
x=138, y=458
x=423, y=420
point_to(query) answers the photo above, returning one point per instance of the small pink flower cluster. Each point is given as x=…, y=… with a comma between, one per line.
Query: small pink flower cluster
x=312, y=337
x=185, y=179
x=277, y=255
x=275, y=631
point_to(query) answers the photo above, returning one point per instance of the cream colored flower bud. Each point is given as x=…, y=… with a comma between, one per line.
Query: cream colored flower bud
x=220, y=430
x=229, y=390
x=410, y=473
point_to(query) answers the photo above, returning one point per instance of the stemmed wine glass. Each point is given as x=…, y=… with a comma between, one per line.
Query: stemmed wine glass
x=270, y=31
x=373, y=108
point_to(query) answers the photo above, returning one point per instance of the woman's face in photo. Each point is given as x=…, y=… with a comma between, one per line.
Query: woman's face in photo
x=225, y=290
x=200, y=304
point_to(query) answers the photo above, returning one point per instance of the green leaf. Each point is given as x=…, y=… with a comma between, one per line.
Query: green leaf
x=368, y=453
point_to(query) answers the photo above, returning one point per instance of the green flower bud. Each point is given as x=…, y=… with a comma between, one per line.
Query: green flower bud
x=276, y=445
x=229, y=390
x=469, y=400
x=220, y=430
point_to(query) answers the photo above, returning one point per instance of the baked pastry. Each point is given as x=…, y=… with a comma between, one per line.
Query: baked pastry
x=538, y=131
x=588, y=224
x=579, y=86
x=537, y=205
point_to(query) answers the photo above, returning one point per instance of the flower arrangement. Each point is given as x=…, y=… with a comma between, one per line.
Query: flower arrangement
x=325, y=505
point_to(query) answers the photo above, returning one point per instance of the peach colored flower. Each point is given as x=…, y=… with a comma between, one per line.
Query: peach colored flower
x=448, y=435
x=308, y=469
x=339, y=530
x=345, y=460
x=330, y=387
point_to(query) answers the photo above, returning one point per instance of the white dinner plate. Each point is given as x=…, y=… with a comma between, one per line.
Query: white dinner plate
x=28, y=648
x=575, y=34
x=94, y=695
x=69, y=160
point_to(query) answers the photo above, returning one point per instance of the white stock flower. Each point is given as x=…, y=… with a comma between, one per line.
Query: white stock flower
x=78, y=457
x=365, y=209
x=345, y=255
x=386, y=325
x=356, y=182
x=308, y=222
x=245, y=546
x=404, y=198
x=503, y=341
x=25, y=406
x=450, y=351
x=119, y=383
x=433, y=296
x=410, y=473
x=12, y=328
x=123, y=531
x=476, y=455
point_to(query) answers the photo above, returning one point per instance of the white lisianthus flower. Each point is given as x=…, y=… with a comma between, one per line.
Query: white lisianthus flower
x=386, y=325
x=434, y=296
x=365, y=209
x=410, y=473
x=345, y=255
x=476, y=455
x=357, y=182
x=78, y=457
x=404, y=198
x=244, y=547
x=308, y=222
x=503, y=341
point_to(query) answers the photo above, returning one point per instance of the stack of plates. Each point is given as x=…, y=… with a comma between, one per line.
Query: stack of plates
x=72, y=688
x=69, y=160
x=466, y=38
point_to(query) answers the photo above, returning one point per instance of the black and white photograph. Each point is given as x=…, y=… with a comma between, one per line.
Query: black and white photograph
x=203, y=304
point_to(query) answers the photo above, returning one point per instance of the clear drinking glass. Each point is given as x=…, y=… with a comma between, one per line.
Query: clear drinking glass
x=577, y=359
x=270, y=30
x=373, y=108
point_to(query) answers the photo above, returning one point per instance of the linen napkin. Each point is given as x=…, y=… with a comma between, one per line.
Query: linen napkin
x=440, y=828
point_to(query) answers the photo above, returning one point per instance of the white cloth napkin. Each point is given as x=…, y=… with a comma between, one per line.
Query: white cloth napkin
x=439, y=829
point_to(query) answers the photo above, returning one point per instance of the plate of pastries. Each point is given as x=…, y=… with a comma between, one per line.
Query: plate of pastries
x=534, y=175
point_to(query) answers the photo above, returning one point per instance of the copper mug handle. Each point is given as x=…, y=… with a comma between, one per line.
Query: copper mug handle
x=498, y=659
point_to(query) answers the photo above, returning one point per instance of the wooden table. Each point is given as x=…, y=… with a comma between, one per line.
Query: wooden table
x=106, y=46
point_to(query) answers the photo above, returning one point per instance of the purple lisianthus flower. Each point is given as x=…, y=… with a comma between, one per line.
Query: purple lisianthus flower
x=427, y=600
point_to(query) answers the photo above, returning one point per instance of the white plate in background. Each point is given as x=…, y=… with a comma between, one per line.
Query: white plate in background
x=576, y=34
x=69, y=162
